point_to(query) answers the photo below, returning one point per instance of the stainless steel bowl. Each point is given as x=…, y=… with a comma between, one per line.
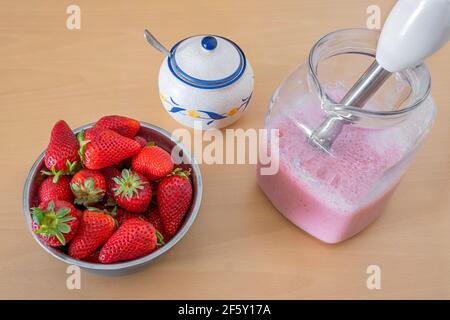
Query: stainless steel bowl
x=163, y=139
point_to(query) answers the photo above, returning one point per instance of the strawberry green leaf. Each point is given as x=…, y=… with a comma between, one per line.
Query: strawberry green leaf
x=63, y=228
x=72, y=167
x=94, y=209
x=75, y=187
x=89, y=183
x=129, y=184
x=39, y=230
x=66, y=219
x=85, y=193
x=51, y=206
x=37, y=214
x=61, y=238
x=159, y=238
x=51, y=223
x=62, y=212
x=83, y=144
x=180, y=172
x=54, y=173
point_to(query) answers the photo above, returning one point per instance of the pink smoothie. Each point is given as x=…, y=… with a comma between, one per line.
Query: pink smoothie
x=332, y=196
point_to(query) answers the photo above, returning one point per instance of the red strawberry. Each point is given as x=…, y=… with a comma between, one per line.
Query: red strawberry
x=135, y=238
x=79, y=214
x=155, y=219
x=174, y=196
x=48, y=190
x=123, y=215
x=88, y=187
x=124, y=126
x=55, y=222
x=101, y=148
x=109, y=173
x=93, y=258
x=153, y=162
x=133, y=191
x=96, y=227
x=61, y=156
x=141, y=140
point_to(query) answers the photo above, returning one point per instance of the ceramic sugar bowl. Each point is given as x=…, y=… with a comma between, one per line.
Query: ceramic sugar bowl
x=205, y=78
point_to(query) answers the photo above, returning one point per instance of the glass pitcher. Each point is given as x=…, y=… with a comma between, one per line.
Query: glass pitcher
x=333, y=194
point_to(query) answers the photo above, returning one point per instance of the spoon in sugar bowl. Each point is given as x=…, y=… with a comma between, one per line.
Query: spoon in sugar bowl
x=155, y=43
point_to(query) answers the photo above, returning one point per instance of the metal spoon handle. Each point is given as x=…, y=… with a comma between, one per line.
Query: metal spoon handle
x=324, y=135
x=155, y=43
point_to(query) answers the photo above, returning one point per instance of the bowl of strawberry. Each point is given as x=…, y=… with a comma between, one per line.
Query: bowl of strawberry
x=108, y=196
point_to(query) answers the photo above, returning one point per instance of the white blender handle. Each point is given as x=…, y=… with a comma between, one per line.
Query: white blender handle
x=413, y=31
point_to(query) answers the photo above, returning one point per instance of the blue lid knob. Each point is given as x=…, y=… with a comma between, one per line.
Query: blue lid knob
x=209, y=43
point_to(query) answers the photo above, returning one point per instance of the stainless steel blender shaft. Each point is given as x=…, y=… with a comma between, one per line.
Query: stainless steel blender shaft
x=324, y=135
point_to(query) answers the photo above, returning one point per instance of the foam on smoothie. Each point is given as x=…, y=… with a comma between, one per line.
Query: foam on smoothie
x=345, y=178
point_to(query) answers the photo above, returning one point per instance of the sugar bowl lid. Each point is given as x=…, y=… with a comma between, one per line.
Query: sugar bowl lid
x=207, y=61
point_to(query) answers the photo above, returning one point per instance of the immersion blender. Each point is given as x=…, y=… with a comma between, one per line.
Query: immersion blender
x=413, y=31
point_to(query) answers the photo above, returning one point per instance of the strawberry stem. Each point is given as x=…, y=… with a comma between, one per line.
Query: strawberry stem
x=52, y=223
x=159, y=238
x=129, y=184
x=86, y=192
x=83, y=143
x=71, y=168
x=110, y=202
x=180, y=172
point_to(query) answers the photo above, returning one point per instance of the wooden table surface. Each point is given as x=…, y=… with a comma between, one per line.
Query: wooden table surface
x=239, y=246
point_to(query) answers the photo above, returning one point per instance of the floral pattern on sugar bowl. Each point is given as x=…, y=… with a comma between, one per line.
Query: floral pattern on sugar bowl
x=206, y=79
x=200, y=114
